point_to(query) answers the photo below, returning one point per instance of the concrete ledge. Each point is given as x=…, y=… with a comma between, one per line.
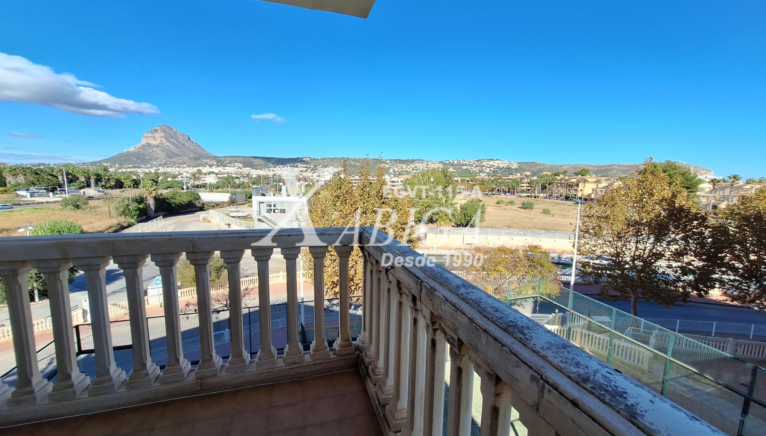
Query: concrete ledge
x=159, y=393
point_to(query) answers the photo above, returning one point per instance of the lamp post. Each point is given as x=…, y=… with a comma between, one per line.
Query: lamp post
x=574, y=257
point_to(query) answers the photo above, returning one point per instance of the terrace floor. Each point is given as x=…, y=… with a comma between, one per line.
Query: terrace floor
x=334, y=404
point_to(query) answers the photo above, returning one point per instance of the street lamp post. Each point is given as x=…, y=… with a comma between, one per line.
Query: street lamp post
x=574, y=257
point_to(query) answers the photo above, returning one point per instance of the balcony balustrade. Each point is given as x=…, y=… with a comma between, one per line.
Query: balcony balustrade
x=420, y=323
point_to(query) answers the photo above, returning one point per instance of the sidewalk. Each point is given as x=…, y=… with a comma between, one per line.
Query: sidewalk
x=711, y=299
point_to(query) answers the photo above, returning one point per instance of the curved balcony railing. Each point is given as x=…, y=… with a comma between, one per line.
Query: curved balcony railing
x=414, y=313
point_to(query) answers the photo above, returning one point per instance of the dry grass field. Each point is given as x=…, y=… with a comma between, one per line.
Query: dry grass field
x=93, y=219
x=563, y=214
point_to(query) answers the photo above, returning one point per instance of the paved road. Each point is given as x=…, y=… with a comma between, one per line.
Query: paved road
x=116, y=283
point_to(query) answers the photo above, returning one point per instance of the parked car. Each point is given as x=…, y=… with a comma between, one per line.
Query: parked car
x=32, y=192
x=5, y=206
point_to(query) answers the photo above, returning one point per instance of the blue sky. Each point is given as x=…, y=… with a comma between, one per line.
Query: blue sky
x=550, y=81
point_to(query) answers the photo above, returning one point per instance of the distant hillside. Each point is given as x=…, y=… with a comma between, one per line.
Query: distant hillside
x=162, y=143
x=165, y=145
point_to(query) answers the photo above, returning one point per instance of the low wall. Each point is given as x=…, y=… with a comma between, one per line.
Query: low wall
x=215, y=197
x=557, y=245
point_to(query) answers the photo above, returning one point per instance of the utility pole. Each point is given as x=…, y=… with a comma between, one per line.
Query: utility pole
x=66, y=185
x=574, y=257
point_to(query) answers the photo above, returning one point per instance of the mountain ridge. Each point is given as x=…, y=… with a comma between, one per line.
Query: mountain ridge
x=164, y=145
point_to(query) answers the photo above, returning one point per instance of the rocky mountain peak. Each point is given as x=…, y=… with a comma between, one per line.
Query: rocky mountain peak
x=162, y=143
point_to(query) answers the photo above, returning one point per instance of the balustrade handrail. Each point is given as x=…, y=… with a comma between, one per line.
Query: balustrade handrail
x=516, y=348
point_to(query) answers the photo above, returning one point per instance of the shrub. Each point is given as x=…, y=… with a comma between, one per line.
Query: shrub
x=218, y=273
x=511, y=203
x=77, y=185
x=546, y=211
x=527, y=205
x=468, y=211
x=173, y=202
x=56, y=227
x=74, y=202
x=131, y=207
x=501, y=202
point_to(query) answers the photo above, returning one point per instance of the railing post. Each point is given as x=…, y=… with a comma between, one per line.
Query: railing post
x=319, y=349
x=496, y=403
x=419, y=354
x=433, y=417
x=368, y=305
x=293, y=349
x=239, y=360
x=396, y=412
x=70, y=382
x=343, y=344
x=31, y=387
x=210, y=362
x=460, y=391
x=385, y=388
x=380, y=293
x=108, y=376
x=145, y=372
x=177, y=367
x=267, y=355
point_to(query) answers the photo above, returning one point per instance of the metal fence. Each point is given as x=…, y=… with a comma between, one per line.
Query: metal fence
x=145, y=227
x=504, y=233
x=725, y=391
x=713, y=328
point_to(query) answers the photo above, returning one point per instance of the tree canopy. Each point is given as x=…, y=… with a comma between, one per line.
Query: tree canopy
x=654, y=239
x=432, y=192
x=678, y=173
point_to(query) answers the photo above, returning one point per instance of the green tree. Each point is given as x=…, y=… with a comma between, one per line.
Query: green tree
x=432, y=192
x=583, y=172
x=35, y=278
x=471, y=213
x=678, y=173
x=742, y=230
x=514, y=263
x=656, y=238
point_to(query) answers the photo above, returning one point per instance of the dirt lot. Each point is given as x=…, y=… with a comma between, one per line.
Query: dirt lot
x=563, y=214
x=94, y=219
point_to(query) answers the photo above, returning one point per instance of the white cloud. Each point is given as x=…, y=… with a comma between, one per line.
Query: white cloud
x=271, y=117
x=24, y=135
x=24, y=81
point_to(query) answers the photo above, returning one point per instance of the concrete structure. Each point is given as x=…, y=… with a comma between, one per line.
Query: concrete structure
x=413, y=315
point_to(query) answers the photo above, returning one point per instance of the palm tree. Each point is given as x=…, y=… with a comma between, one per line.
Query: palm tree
x=714, y=181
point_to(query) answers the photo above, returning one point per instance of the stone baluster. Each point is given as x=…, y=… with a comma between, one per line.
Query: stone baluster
x=363, y=339
x=145, y=372
x=371, y=316
x=380, y=295
x=496, y=402
x=70, y=382
x=460, y=392
x=177, y=367
x=31, y=387
x=108, y=376
x=210, y=362
x=529, y=416
x=293, y=349
x=343, y=344
x=267, y=355
x=239, y=360
x=436, y=353
x=385, y=388
x=319, y=349
x=396, y=412
x=419, y=353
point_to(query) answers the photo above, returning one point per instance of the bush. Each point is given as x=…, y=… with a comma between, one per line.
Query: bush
x=500, y=202
x=527, y=205
x=132, y=207
x=173, y=202
x=77, y=185
x=219, y=275
x=546, y=211
x=74, y=202
x=511, y=203
x=56, y=227
x=466, y=216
